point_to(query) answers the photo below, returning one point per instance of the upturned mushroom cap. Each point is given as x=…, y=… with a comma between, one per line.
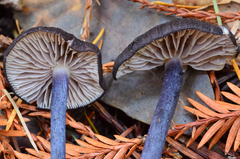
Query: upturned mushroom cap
x=198, y=44
x=31, y=58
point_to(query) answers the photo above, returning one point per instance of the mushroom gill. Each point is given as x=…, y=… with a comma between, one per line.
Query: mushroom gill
x=31, y=62
x=193, y=47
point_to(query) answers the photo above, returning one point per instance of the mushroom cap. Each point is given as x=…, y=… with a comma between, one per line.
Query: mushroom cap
x=31, y=58
x=198, y=44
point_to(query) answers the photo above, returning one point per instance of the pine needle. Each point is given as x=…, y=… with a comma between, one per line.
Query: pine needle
x=21, y=119
x=91, y=124
x=99, y=36
x=173, y=5
x=12, y=116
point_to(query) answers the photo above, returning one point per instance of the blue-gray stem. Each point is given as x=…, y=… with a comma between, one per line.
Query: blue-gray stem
x=161, y=121
x=58, y=113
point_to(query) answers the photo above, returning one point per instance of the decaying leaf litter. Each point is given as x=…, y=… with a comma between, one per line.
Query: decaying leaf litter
x=227, y=119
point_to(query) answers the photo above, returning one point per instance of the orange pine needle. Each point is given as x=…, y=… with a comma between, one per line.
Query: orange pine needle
x=86, y=145
x=196, y=112
x=183, y=149
x=45, y=143
x=229, y=106
x=3, y=122
x=211, y=103
x=121, y=153
x=194, y=132
x=232, y=134
x=136, y=140
x=3, y=104
x=182, y=131
x=202, y=108
x=237, y=141
x=213, y=129
x=106, y=140
x=110, y=155
x=234, y=88
x=97, y=143
x=231, y=97
x=41, y=155
x=23, y=156
x=12, y=133
x=236, y=68
x=222, y=131
x=131, y=150
x=72, y=149
x=198, y=133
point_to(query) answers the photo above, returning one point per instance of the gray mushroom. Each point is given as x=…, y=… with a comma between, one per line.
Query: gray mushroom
x=58, y=71
x=176, y=45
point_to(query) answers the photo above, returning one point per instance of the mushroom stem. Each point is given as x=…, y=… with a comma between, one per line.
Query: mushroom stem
x=161, y=121
x=58, y=112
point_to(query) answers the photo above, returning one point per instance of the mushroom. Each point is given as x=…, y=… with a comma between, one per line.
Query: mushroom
x=176, y=44
x=58, y=71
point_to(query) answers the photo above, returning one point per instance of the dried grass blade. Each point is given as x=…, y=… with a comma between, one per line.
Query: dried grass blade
x=222, y=131
x=202, y=108
x=231, y=97
x=97, y=143
x=99, y=36
x=21, y=119
x=121, y=153
x=196, y=112
x=237, y=141
x=12, y=133
x=232, y=134
x=213, y=129
x=183, y=149
x=211, y=103
x=229, y=106
x=86, y=145
x=106, y=140
x=198, y=133
x=12, y=116
x=23, y=156
x=234, y=88
x=182, y=131
x=110, y=155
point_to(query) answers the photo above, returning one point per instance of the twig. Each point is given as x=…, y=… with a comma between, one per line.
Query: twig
x=197, y=14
